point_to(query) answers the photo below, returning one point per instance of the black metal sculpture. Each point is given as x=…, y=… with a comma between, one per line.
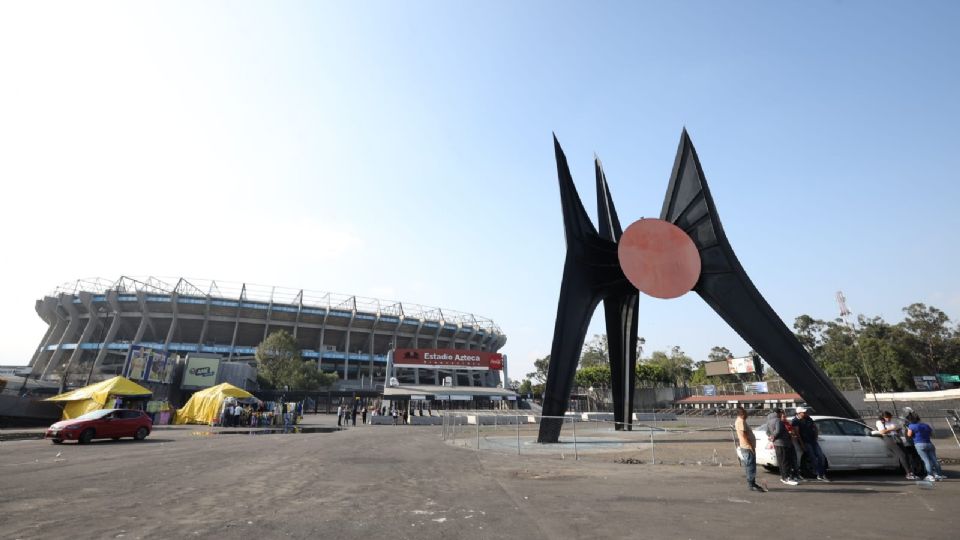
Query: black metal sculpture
x=592, y=273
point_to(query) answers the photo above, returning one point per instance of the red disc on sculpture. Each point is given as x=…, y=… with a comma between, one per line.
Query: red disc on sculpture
x=659, y=258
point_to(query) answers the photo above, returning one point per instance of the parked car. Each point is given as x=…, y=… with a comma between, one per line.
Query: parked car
x=847, y=445
x=102, y=424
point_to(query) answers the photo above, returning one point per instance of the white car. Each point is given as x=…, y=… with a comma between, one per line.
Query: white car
x=846, y=444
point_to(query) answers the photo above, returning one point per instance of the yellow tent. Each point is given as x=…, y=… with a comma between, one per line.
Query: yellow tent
x=203, y=407
x=95, y=396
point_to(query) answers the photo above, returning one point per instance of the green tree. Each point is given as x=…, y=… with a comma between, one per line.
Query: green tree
x=595, y=376
x=719, y=353
x=278, y=359
x=928, y=338
x=280, y=366
x=596, y=352
x=542, y=367
x=526, y=387
x=651, y=373
x=674, y=368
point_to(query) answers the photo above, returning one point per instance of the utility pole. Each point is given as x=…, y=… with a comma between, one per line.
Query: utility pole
x=845, y=315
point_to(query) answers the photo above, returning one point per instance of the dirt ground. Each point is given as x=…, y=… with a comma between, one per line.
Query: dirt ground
x=406, y=482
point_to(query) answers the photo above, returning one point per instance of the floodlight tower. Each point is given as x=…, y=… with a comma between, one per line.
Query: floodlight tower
x=845, y=315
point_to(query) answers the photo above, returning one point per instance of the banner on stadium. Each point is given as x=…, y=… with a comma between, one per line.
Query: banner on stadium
x=201, y=371
x=447, y=358
x=709, y=389
x=150, y=364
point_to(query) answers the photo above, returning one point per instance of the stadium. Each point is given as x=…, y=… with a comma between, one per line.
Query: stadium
x=94, y=323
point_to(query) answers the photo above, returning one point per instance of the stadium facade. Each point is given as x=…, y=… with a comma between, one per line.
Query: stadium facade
x=93, y=323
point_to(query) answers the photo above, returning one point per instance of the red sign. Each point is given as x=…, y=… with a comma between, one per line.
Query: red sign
x=447, y=358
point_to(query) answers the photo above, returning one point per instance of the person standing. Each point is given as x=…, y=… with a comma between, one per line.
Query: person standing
x=920, y=432
x=237, y=413
x=339, y=415
x=890, y=429
x=393, y=413
x=809, y=436
x=913, y=458
x=783, y=445
x=364, y=416
x=747, y=449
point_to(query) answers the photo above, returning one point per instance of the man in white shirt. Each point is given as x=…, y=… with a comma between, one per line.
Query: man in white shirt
x=890, y=429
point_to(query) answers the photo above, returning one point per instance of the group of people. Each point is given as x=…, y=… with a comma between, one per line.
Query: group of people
x=348, y=415
x=783, y=434
x=908, y=440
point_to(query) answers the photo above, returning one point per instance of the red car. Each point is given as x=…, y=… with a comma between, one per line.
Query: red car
x=101, y=424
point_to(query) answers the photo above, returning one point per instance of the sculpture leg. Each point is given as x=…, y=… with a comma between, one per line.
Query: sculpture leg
x=574, y=311
x=620, y=313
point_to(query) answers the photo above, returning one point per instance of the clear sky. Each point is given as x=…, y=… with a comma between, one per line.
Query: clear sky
x=403, y=150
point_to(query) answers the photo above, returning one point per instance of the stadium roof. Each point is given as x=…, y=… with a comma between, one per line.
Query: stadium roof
x=273, y=294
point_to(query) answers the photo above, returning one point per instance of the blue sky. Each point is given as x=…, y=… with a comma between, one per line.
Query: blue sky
x=409, y=146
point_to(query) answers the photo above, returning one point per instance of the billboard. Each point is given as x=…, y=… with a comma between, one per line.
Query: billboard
x=150, y=364
x=729, y=366
x=201, y=371
x=447, y=358
x=719, y=367
x=744, y=364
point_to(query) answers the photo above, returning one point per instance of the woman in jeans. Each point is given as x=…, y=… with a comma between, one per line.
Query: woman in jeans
x=928, y=453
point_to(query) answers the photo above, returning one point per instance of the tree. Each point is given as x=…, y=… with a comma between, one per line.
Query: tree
x=278, y=359
x=596, y=352
x=675, y=367
x=526, y=387
x=928, y=337
x=719, y=353
x=280, y=365
x=596, y=376
x=542, y=366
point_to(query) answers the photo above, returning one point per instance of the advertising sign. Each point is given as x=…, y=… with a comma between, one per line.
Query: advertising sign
x=743, y=364
x=447, y=358
x=201, y=371
x=709, y=390
x=719, y=367
x=757, y=387
x=138, y=362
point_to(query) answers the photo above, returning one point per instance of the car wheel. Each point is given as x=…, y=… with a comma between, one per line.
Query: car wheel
x=141, y=434
x=86, y=436
x=57, y=441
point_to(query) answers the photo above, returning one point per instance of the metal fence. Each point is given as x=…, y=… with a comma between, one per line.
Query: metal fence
x=664, y=439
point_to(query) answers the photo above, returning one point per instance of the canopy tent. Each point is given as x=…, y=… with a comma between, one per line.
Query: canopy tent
x=95, y=396
x=203, y=407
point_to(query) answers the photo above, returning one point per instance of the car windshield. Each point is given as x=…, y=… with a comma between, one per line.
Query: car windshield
x=94, y=415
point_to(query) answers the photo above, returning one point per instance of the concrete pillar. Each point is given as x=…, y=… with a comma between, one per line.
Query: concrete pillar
x=346, y=361
x=236, y=321
x=206, y=324
x=111, y=333
x=58, y=325
x=174, y=296
x=320, y=346
x=66, y=303
x=266, y=327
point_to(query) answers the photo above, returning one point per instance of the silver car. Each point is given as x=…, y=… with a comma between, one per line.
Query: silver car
x=846, y=444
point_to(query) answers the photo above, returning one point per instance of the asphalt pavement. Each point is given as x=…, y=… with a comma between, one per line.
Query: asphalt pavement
x=406, y=482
